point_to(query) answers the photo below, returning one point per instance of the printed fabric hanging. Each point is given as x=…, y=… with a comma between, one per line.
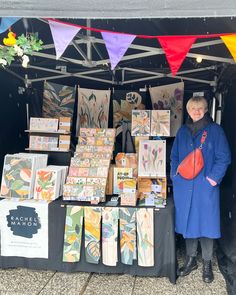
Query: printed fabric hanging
x=92, y=223
x=109, y=235
x=73, y=233
x=145, y=231
x=127, y=235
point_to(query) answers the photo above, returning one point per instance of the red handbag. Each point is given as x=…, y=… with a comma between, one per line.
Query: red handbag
x=193, y=163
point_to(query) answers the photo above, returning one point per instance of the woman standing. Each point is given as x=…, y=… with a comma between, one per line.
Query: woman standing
x=197, y=210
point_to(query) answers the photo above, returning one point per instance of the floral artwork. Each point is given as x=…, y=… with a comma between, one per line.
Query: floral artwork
x=127, y=235
x=16, y=177
x=123, y=104
x=46, y=185
x=92, y=223
x=160, y=123
x=140, y=123
x=109, y=235
x=169, y=97
x=152, y=158
x=73, y=233
x=58, y=100
x=145, y=231
x=93, y=108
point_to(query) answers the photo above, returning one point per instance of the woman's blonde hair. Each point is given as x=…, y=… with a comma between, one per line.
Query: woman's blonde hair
x=197, y=100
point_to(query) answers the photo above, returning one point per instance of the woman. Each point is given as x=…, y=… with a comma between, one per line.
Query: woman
x=197, y=200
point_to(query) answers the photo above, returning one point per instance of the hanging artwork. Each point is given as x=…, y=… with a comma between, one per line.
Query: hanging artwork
x=145, y=231
x=109, y=235
x=160, y=123
x=152, y=158
x=93, y=108
x=58, y=100
x=127, y=235
x=92, y=222
x=123, y=104
x=73, y=233
x=140, y=123
x=169, y=97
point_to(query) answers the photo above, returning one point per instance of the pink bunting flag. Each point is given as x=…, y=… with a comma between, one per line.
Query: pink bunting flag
x=62, y=35
x=176, y=49
x=116, y=45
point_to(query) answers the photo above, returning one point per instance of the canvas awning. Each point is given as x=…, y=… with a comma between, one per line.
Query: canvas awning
x=118, y=9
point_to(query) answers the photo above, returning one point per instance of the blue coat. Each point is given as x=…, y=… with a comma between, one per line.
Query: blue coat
x=197, y=209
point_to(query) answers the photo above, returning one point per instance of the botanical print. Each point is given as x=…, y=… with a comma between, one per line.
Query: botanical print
x=169, y=97
x=123, y=104
x=94, y=149
x=152, y=158
x=76, y=192
x=17, y=177
x=92, y=222
x=47, y=185
x=93, y=108
x=92, y=155
x=97, y=141
x=109, y=235
x=160, y=123
x=86, y=162
x=44, y=124
x=58, y=100
x=73, y=233
x=140, y=123
x=127, y=235
x=145, y=231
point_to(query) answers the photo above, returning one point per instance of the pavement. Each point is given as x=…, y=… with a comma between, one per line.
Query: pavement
x=19, y=281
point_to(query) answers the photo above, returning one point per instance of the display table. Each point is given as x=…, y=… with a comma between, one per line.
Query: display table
x=165, y=253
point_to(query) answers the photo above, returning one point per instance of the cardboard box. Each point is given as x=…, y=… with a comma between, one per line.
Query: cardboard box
x=65, y=123
x=64, y=142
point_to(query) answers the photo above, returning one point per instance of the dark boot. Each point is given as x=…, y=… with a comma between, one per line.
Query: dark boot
x=207, y=274
x=189, y=265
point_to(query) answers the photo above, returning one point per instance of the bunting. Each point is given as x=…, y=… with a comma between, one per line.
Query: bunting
x=62, y=35
x=230, y=42
x=6, y=22
x=116, y=45
x=176, y=49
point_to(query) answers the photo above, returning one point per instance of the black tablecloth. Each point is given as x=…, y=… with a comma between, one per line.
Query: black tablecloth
x=165, y=253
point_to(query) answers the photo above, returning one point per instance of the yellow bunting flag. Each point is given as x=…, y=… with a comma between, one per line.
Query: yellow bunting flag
x=230, y=42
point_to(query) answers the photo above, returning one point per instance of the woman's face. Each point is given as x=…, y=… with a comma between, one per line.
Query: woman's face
x=196, y=111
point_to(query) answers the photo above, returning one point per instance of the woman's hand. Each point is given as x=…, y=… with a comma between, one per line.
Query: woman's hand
x=212, y=182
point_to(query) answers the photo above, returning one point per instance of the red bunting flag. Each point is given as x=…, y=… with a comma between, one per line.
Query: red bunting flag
x=176, y=49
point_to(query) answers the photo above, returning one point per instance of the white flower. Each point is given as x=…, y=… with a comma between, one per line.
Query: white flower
x=3, y=61
x=25, y=60
x=19, y=50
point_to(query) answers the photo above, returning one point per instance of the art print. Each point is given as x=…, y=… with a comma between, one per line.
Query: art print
x=160, y=123
x=152, y=158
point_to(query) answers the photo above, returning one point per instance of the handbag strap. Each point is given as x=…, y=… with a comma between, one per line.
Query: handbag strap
x=204, y=135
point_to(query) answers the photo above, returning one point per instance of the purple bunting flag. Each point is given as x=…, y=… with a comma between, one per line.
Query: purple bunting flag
x=117, y=45
x=62, y=35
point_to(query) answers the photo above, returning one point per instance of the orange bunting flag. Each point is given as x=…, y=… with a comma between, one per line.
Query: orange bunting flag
x=230, y=42
x=176, y=49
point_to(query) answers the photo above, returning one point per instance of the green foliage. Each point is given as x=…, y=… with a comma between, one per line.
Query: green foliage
x=26, y=43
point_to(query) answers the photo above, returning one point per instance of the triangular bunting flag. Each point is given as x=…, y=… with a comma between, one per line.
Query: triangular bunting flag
x=6, y=22
x=230, y=42
x=62, y=35
x=116, y=45
x=176, y=49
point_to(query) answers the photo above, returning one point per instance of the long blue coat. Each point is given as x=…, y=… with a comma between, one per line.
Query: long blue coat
x=197, y=210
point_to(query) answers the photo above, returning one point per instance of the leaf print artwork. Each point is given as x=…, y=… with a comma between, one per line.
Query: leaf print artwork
x=73, y=233
x=93, y=108
x=160, y=123
x=58, y=100
x=16, y=177
x=169, y=97
x=145, y=231
x=109, y=235
x=92, y=222
x=140, y=123
x=127, y=218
